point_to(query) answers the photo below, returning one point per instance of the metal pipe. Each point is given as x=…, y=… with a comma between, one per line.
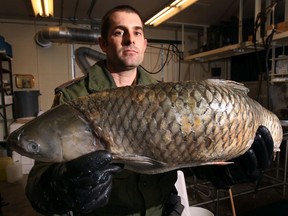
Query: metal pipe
x=257, y=11
x=73, y=71
x=81, y=55
x=285, y=10
x=240, y=24
x=285, y=168
x=63, y=34
x=183, y=37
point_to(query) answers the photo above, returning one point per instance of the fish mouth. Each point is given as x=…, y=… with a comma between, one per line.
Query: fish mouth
x=13, y=143
x=13, y=140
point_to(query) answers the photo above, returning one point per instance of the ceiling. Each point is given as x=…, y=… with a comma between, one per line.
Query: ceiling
x=203, y=12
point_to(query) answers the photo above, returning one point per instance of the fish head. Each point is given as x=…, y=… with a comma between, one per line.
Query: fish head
x=26, y=142
x=53, y=136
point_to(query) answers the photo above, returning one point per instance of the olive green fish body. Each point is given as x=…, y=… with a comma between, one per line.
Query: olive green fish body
x=160, y=127
x=176, y=124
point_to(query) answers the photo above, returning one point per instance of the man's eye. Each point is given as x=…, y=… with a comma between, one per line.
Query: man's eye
x=119, y=33
x=138, y=33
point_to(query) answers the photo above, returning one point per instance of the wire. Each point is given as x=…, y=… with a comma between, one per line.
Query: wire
x=266, y=43
x=164, y=64
x=61, y=13
x=75, y=11
x=90, y=9
x=167, y=57
x=260, y=21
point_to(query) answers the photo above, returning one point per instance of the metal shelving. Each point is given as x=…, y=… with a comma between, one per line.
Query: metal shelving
x=6, y=90
x=223, y=52
x=279, y=76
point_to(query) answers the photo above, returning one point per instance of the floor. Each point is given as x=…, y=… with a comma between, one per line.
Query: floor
x=245, y=198
x=273, y=188
x=14, y=201
x=200, y=194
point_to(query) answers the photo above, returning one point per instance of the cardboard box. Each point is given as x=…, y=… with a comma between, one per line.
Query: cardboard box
x=282, y=24
x=280, y=27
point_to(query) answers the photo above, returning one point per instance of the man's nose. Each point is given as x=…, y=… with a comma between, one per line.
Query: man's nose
x=129, y=38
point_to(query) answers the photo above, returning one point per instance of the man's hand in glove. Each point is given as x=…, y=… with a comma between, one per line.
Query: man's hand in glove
x=245, y=168
x=81, y=185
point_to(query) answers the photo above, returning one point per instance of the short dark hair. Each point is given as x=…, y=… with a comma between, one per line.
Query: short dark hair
x=105, y=24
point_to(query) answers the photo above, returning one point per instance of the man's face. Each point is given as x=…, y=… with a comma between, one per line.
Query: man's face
x=125, y=45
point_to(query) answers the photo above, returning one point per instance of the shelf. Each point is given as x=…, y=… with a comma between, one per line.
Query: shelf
x=223, y=52
x=235, y=49
x=279, y=58
x=281, y=38
x=6, y=105
x=279, y=78
x=4, y=56
x=5, y=71
x=280, y=74
x=6, y=85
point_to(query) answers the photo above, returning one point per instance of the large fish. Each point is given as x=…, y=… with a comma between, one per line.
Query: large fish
x=153, y=128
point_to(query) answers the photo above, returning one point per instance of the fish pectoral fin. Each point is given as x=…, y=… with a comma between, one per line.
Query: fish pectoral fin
x=138, y=162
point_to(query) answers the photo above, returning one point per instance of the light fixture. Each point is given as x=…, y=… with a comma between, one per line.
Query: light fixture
x=43, y=7
x=169, y=11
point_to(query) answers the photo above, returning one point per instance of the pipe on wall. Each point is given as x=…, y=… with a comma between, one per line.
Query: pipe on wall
x=81, y=55
x=63, y=34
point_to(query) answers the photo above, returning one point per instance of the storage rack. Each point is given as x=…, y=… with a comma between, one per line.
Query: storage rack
x=6, y=90
x=277, y=175
x=279, y=40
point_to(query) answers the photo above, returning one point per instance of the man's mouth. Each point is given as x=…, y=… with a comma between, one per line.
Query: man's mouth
x=130, y=51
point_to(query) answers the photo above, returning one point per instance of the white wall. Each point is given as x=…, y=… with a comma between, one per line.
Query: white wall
x=50, y=67
x=54, y=66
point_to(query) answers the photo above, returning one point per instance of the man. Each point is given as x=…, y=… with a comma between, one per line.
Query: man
x=91, y=185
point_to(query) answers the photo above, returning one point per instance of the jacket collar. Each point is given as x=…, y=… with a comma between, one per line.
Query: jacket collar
x=99, y=78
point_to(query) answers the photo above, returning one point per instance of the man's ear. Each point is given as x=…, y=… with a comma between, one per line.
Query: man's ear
x=102, y=44
x=145, y=43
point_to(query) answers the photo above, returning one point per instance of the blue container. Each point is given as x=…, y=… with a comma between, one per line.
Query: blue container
x=5, y=46
x=26, y=104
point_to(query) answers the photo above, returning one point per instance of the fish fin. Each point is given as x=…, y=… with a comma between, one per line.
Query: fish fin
x=137, y=162
x=231, y=84
x=220, y=163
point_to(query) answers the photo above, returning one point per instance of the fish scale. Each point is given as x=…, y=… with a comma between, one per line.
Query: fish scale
x=173, y=98
x=153, y=128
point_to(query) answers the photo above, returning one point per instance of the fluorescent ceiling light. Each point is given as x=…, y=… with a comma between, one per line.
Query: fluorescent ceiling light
x=43, y=7
x=169, y=11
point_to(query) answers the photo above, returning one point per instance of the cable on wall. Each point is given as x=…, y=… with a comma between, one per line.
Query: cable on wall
x=169, y=49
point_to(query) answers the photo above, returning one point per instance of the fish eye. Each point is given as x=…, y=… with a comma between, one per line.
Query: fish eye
x=33, y=147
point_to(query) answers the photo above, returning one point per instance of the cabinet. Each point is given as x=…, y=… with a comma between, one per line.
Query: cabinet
x=6, y=91
x=279, y=69
x=279, y=62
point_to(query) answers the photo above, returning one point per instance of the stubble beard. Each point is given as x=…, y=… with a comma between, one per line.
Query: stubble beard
x=126, y=63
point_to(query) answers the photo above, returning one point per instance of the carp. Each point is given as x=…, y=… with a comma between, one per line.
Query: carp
x=153, y=128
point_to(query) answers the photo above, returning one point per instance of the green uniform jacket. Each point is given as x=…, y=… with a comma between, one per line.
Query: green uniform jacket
x=132, y=193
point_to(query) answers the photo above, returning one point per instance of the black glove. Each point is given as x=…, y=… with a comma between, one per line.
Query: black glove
x=245, y=168
x=173, y=206
x=81, y=185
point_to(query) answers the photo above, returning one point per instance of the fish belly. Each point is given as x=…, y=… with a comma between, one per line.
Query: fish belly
x=172, y=124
